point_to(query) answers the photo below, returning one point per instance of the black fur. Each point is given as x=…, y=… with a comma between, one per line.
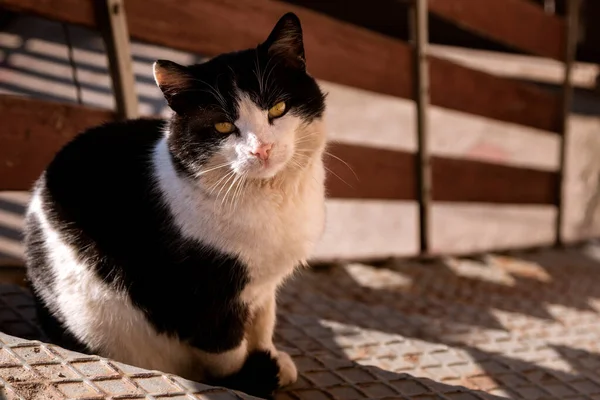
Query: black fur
x=100, y=193
x=259, y=376
x=266, y=77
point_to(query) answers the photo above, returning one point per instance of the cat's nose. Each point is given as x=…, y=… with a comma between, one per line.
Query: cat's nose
x=262, y=151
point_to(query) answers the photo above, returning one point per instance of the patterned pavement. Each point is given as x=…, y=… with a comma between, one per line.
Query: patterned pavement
x=521, y=326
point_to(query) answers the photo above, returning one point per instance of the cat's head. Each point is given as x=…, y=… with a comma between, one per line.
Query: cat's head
x=255, y=112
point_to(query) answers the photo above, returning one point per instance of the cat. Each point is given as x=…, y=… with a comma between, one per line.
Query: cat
x=162, y=243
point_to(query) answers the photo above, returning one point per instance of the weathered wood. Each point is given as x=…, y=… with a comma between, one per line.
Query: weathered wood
x=112, y=19
x=519, y=24
x=459, y=180
x=570, y=35
x=419, y=32
x=33, y=131
x=336, y=51
x=370, y=173
x=72, y=11
x=460, y=88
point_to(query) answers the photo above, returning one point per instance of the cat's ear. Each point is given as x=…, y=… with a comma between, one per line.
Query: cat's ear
x=172, y=79
x=285, y=41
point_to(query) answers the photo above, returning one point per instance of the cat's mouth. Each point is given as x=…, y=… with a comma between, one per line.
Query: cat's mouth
x=263, y=169
x=267, y=168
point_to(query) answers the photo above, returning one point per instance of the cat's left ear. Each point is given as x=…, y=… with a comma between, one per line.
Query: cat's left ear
x=172, y=79
x=285, y=41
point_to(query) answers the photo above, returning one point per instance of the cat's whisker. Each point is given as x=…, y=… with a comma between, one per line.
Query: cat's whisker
x=238, y=193
x=343, y=162
x=304, y=151
x=214, y=185
x=297, y=165
x=337, y=176
x=302, y=156
x=294, y=162
x=310, y=134
x=212, y=169
x=259, y=74
x=237, y=184
x=231, y=185
x=232, y=203
x=214, y=91
x=225, y=183
x=267, y=79
x=303, y=140
x=224, y=178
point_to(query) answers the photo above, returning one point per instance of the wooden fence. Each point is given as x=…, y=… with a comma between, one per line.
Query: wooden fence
x=372, y=61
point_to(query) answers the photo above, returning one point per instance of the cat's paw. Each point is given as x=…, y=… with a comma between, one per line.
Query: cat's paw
x=260, y=375
x=288, y=373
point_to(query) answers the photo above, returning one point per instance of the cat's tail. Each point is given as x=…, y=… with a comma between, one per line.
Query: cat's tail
x=258, y=377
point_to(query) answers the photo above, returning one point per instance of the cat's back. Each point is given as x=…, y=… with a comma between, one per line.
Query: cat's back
x=110, y=157
x=100, y=180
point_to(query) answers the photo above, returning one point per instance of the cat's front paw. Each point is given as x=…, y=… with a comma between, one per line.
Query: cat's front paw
x=262, y=373
x=288, y=373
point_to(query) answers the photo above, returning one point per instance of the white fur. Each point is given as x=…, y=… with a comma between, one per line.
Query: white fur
x=99, y=315
x=275, y=223
x=255, y=130
x=272, y=228
x=107, y=320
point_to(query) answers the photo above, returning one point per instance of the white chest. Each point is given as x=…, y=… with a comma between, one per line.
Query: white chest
x=272, y=229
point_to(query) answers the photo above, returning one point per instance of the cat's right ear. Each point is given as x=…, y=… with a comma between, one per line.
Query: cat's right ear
x=172, y=79
x=286, y=41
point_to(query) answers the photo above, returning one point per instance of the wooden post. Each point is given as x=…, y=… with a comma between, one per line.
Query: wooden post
x=113, y=24
x=550, y=6
x=572, y=34
x=418, y=25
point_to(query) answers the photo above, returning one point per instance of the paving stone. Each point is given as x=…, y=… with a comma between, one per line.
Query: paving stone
x=443, y=336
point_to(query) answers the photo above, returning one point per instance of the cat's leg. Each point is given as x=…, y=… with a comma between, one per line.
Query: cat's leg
x=255, y=372
x=220, y=365
x=260, y=338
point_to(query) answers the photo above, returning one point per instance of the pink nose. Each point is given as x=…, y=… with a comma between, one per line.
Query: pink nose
x=262, y=151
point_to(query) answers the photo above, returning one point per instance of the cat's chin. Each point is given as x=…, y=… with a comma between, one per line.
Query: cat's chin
x=261, y=171
x=264, y=173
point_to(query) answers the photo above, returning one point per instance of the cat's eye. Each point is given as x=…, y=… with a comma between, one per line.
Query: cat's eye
x=224, y=127
x=277, y=110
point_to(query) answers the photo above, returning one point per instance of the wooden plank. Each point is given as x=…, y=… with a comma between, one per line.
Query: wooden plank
x=33, y=131
x=215, y=26
x=80, y=12
x=12, y=272
x=211, y=27
x=459, y=88
x=111, y=14
x=520, y=24
x=370, y=173
x=459, y=180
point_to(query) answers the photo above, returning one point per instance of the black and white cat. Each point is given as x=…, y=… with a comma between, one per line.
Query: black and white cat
x=162, y=244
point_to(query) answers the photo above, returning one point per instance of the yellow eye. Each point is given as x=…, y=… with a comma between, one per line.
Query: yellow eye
x=224, y=127
x=277, y=110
